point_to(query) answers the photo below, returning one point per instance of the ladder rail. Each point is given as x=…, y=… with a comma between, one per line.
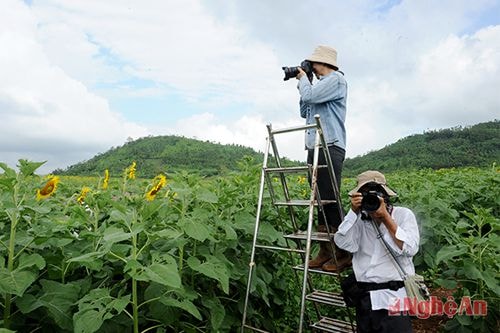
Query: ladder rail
x=309, y=232
x=282, y=176
x=336, y=188
x=255, y=235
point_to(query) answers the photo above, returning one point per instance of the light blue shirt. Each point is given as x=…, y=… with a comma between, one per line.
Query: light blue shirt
x=327, y=97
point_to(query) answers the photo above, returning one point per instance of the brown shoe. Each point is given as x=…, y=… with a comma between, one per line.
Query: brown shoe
x=325, y=254
x=325, y=251
x=344, y=260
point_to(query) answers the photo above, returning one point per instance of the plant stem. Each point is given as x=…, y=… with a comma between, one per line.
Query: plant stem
x=135, y=307
x=10, y=261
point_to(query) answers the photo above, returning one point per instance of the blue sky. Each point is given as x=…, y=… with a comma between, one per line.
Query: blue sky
x=82, y=76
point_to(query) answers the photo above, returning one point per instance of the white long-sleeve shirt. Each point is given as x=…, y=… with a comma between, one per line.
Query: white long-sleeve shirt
x=371, y=261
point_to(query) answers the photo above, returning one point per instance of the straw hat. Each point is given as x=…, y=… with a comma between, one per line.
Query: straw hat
x=372, y=177
x=324, y=54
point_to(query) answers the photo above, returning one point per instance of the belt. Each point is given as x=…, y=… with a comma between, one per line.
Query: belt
x=393, y=285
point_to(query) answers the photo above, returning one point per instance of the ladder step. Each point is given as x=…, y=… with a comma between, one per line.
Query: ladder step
x=287, y=169
x=292, y=169
x=293, y=129
x=303, y=202
x=333, y=326
x=287, y=249
x=315, y=236
x=326, y=297
x=255, y=329
x=315, y=270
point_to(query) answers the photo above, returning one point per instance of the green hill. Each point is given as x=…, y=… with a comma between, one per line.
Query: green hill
x=165, y=154
x=477, y=145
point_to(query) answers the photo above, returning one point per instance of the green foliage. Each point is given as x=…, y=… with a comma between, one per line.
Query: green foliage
x=458, y=211
x=478, y=145
x=179, y=263
x=117, y=262
x=165, y=154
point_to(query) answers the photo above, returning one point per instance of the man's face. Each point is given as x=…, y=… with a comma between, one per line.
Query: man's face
x=317, y=69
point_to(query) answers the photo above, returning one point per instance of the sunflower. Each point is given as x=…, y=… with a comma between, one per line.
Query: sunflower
x=83, y=194
x=106, y=179
x=131, y=171
x=49, y=188
x=158, y=182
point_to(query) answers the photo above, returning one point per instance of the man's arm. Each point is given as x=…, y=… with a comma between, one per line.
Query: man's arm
x=348, y=233
x=403, y=237
x=304, y=107
x=324, y=90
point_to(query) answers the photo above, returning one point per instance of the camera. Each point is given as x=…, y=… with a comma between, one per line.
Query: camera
x=291, y=72
x=370, y=203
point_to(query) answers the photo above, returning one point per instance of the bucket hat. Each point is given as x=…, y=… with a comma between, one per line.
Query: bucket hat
x=371, y=176
x=324, y=54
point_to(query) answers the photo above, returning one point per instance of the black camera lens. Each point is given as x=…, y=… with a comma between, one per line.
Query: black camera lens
x=290, y=72
x=371, y=201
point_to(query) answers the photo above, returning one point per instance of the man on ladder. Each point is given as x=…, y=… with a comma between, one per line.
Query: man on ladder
x=327, y=98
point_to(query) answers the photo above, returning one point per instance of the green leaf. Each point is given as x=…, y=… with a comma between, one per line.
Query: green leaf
x=90, y=260
x=196, y=230
x=491, y=281
x=4, y=330
x=211, y=268
x=59, y=299
x=471, y=271
x=28, y=303
x=114, y=235
x=95, y=307
x=8, y=172
x=185, y=305
x=205, y=195
x=169, y=233
x=15, y=282
x=28, y=260
x=230, y=233
x=448, y=284
x=449, y=252
x=166, y=274
x=217, y=312
x=87, y=321
x=28, y=168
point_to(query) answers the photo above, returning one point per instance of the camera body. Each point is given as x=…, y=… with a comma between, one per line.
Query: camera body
x=291, y=72
x=370, y=203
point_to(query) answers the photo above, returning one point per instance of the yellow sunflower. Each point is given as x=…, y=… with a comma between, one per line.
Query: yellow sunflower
x=131, y=171
x=83, y=194
x=158, y=182
x=49, y=188
x=106, y=179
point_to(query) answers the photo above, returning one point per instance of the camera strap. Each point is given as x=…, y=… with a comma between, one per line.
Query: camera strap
x=401, y=271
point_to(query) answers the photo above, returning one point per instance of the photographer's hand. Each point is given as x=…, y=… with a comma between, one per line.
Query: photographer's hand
x=301, y=73
x=356, y=199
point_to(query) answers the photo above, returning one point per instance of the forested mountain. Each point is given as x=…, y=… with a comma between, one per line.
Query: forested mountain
x=157, y=154
x=477, y=145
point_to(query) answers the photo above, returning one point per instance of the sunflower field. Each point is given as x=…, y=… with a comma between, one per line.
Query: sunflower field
x=119, y=253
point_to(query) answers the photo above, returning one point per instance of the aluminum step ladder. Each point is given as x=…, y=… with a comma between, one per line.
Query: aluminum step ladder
x=301, y=238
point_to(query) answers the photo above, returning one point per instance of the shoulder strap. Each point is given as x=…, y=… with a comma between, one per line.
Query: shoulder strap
x=391, y=252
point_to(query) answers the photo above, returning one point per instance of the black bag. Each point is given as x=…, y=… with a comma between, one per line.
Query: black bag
x=351, y=292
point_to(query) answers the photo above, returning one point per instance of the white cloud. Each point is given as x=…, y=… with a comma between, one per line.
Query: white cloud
x=413, y=66
x=46, y=113
x=250, y=131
